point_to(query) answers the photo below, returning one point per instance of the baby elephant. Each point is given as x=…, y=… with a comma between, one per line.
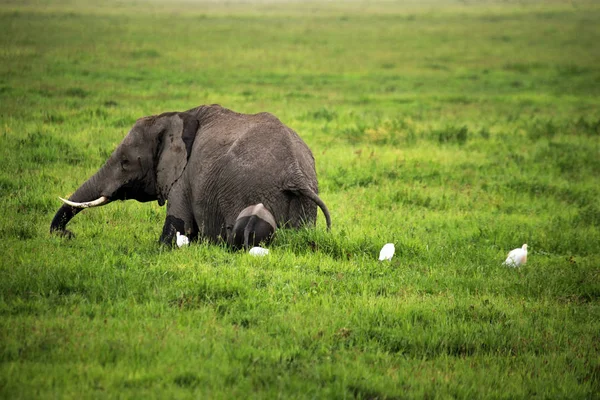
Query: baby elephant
x=255, y=224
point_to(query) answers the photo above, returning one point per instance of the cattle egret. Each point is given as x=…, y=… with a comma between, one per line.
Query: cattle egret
x=516, y=257
x=182, y=240
x=258, y=251
x=387, y=252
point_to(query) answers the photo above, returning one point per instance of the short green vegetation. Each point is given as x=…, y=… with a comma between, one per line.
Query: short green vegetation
x=456, y=130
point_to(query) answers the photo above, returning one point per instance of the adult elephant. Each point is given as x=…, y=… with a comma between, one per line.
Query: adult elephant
x=208, y=164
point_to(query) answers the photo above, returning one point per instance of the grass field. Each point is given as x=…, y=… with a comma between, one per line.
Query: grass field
x=456, y=130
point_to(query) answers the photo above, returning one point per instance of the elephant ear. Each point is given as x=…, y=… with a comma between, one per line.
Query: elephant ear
x=174, y=149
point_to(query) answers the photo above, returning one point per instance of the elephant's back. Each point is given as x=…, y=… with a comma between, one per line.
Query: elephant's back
x=244, y=159
x=250, y=140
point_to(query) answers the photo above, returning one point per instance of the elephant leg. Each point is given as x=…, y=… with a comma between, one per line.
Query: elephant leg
x=179, y=219
x=301, y=212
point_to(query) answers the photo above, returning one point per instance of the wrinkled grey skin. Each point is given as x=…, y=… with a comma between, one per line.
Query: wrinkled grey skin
x=254, y=225
x=208, y=164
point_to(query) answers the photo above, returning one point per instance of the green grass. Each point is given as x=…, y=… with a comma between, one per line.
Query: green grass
x=456, y=130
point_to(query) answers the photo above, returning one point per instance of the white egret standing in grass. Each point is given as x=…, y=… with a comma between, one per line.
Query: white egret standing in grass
x=387, y=252
x=258, y=251
x=516, y=257
x=182, y=240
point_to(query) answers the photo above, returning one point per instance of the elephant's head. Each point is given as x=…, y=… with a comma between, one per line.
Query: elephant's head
x=254, y=224
x=143, y=167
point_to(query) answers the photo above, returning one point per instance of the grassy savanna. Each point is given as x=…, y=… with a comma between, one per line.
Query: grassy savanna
x=456, y=130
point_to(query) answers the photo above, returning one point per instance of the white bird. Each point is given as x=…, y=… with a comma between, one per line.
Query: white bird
x=387, y=252
x=258, y=251
x=182, y=240
x=516, y=257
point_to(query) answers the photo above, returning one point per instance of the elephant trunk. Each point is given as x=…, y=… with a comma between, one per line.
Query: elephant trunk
x=89, y=194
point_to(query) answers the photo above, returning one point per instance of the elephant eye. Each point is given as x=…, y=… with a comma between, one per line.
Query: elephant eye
x=124, y=164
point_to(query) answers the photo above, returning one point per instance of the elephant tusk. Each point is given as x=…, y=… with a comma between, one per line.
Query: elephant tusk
x=87, y=204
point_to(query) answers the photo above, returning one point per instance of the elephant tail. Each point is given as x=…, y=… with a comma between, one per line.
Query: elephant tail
x=315, y=197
